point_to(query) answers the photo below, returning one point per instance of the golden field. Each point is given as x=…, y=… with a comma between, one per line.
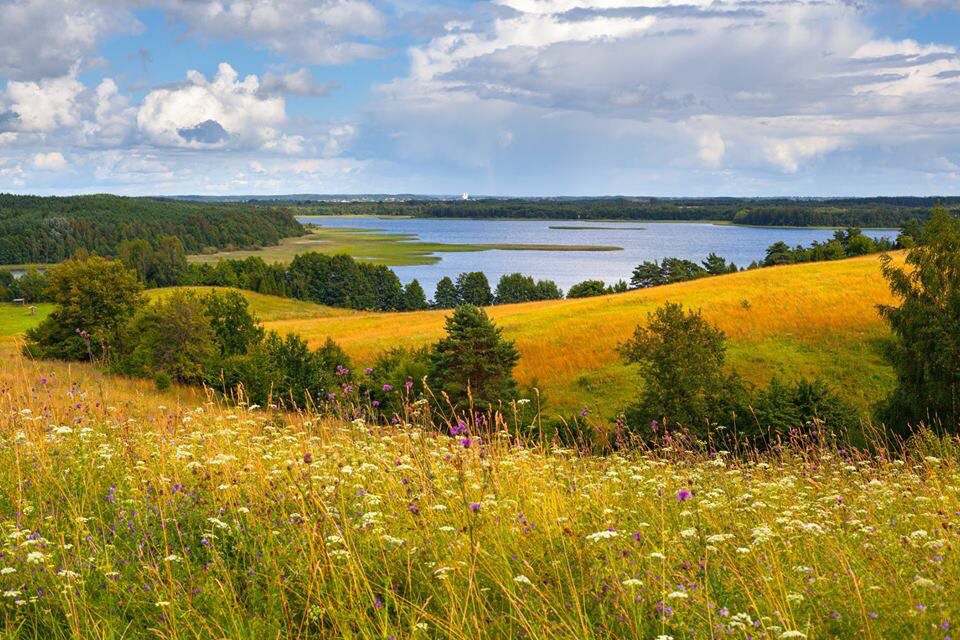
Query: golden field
x=815, y=320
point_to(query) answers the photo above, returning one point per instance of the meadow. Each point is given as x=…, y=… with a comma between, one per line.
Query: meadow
x=791, y=321
x=130, y=513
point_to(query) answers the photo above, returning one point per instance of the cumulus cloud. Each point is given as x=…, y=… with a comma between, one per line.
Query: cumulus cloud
x=43, y=106
x=225, y=111
x=310, y=31
x=46, y=38
x=52, y=161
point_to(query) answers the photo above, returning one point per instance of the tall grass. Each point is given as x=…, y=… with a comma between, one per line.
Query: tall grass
x=124, y=513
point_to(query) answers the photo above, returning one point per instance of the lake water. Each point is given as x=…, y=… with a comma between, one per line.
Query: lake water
x=640, y=241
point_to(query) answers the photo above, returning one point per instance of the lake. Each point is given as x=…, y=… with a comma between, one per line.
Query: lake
x=640, y=241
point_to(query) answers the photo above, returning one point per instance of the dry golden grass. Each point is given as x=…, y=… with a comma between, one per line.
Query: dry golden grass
x=815, y=319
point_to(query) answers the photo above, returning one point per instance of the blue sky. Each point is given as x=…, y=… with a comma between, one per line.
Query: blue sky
x=511, y=97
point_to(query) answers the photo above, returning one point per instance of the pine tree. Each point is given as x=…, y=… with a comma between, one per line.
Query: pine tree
x=474, y=360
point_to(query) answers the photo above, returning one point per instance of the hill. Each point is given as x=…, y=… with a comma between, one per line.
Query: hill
x=791, y=321
x=814, y=320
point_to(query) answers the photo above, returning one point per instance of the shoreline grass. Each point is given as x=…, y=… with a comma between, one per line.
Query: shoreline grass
x=379, y=247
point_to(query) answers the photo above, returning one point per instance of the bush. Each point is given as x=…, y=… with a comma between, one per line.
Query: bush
x=681, y=358
x=95, y=299
x=172, y=336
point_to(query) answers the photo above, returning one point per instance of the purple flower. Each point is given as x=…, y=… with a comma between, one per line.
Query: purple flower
x=408, y=384
x=475, y=507
x=377, y=602
x=376, y=404
x=331, y=396
x=654, y=425
x=683, y=495
x=583, y=414
x=458, y=429
x=368, y=370
x=347, y=388
x=342, y=370
x=388, y=387
x=414, y=509
x=467, y=443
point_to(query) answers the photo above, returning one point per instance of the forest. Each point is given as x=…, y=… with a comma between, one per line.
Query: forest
x=36, y=229
x=848, y=212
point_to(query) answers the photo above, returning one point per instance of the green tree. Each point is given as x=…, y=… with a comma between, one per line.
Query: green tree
x=587, y=288
x=716, y=265
x=446, y=296
x=414, y=299
x=172, y=336
x=926, y=325
x=681, y=358
x=548, y=290
x=474, y=360
x=95, y=299
x=474, y=288
x=515, y=287
x=235, y=329
x=778, y=253
x=647, y=274
x=168, y=263
x=31, y=286
x=136, y=255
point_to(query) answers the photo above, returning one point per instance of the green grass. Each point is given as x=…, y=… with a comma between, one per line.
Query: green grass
x=15, y=318
x=379, y=247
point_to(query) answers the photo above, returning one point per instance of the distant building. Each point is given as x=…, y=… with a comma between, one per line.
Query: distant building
x=466, y=196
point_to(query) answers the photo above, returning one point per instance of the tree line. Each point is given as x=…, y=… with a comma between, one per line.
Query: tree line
x=846, y=243
x=831, y=212
x=47, y=230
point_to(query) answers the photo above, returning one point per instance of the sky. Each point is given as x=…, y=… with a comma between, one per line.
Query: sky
x=509, y=97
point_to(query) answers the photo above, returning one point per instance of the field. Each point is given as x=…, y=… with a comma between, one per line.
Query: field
x=127, y=513
x=378, y=247
x=783, y=321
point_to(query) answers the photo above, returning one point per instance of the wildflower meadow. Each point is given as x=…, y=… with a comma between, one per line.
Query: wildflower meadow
x=128, y=513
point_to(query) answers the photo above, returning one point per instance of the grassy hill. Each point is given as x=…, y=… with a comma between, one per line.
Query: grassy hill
x=815, y=319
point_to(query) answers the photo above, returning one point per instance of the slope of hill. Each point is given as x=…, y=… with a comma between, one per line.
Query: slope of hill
x=813, y=320
x=816, y=319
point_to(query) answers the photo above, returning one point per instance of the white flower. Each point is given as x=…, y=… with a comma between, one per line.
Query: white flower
x=793, y=634
x=522, y=579
x=7, y=571
x=602, y=535
x=36, y=557
x=632, y=582
x=677, y=595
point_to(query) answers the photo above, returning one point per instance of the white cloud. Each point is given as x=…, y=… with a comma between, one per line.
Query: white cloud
x=52, y=161
x=224, y=112
x=770, y=87
x=46, y=105
x=46, y=38
x=310, y=31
